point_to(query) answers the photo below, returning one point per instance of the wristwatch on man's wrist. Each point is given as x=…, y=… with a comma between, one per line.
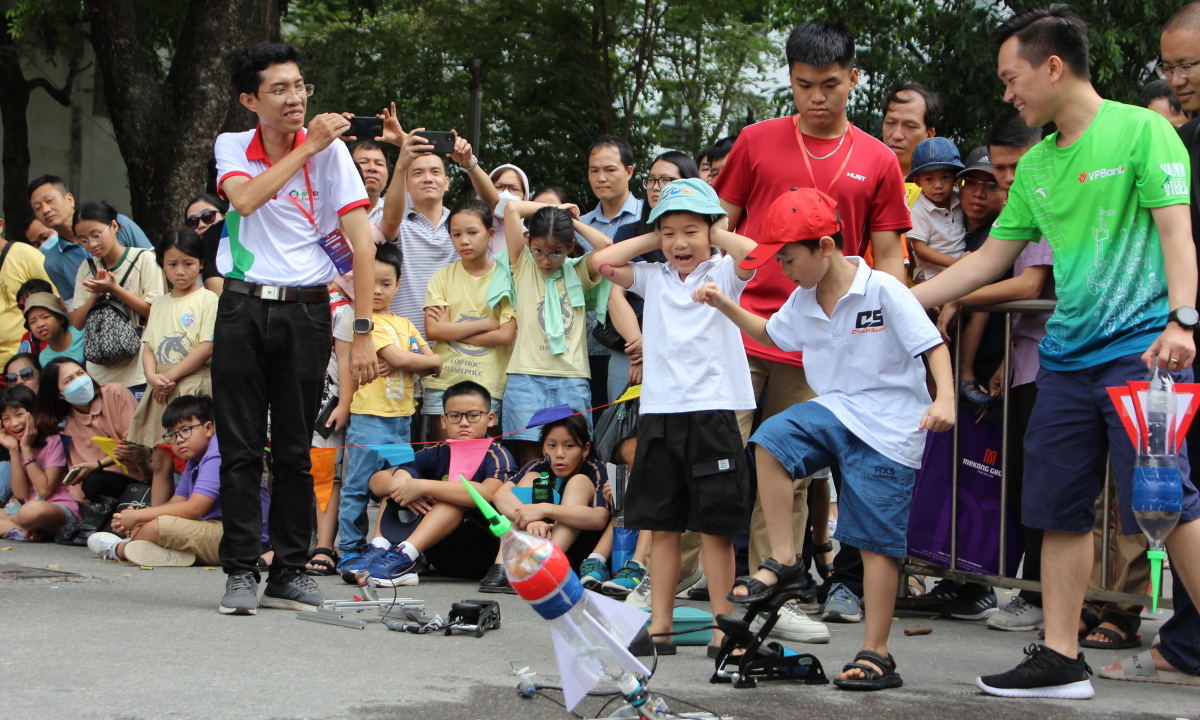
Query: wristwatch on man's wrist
x=474, y=164
x=363, y=326
x=1185, y=316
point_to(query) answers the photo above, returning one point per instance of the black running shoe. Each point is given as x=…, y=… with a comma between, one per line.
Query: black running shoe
x=974, y=602
x=1044, y=673
x=495, y=581
x=944, y=592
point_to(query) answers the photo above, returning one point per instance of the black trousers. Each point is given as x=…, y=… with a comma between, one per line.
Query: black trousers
x=105, y=483
x=268, y=356
x=1020, y=409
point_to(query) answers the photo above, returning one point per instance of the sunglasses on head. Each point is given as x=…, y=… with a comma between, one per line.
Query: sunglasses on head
x=22, y=374
x=207, y=217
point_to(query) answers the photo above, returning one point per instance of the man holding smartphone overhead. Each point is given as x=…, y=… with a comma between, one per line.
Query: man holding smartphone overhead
x=297, y=210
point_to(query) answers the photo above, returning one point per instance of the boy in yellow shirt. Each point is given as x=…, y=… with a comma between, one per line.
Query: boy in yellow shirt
x=382, y=411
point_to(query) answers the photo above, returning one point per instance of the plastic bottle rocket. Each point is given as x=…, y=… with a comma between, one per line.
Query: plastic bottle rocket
x=1157, y=480
x=590, y=632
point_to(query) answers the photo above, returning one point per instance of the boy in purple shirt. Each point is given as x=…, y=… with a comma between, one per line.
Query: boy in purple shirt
x=187, y=528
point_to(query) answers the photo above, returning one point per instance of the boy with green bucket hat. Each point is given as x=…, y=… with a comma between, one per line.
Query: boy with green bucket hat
x=689, y=472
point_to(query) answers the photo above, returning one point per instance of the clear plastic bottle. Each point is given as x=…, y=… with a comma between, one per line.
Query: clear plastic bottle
x=1157, y=480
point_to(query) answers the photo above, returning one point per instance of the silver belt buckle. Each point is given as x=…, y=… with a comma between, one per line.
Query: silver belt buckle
x=270, y=292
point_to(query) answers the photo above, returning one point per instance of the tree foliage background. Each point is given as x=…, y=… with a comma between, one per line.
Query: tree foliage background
x=554, y=74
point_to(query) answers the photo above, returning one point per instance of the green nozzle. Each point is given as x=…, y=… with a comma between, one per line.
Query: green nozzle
x=497, y=523
x=1156, y=561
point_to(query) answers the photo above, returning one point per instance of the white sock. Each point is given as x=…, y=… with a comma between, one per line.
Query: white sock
x=598, y=556
x=381, y=542
x=406, y=548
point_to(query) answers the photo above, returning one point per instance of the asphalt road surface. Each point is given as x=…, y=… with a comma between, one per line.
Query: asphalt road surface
x=117, y=641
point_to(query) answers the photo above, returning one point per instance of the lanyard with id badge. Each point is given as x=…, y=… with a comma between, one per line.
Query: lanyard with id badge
x=335, y=244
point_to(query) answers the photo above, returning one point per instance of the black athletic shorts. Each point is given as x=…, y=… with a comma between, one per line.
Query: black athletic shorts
x=689, y=473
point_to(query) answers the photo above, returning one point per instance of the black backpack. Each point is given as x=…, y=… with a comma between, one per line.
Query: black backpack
x=111, y=336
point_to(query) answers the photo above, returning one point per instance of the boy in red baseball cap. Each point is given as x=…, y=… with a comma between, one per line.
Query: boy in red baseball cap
x=862, y=334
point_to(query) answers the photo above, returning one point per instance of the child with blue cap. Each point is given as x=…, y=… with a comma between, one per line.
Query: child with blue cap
x=938, y=223
x=689, y=471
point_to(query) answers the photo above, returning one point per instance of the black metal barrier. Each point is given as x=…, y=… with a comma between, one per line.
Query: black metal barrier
x=914, y=567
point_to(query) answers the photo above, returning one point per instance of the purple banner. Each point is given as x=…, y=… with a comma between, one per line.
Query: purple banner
x=979, y=446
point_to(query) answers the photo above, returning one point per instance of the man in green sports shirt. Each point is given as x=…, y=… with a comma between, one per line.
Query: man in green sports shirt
x=1110, y=192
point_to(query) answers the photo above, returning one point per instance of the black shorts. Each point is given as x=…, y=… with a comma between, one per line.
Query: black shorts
x=689, y=473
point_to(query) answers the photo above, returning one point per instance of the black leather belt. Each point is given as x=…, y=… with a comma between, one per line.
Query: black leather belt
x=308, y=293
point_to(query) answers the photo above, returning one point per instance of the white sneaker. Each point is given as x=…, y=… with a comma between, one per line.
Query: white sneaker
x=794, y=625
x=1017, y=615
x=105, y=545
x=639, y=597
x=695, y=580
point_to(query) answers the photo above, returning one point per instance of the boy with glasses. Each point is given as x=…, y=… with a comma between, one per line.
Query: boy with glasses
x=425, y=516
x=187, y=529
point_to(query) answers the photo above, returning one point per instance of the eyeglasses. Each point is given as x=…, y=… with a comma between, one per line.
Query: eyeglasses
x=207, y=217
x=472, y=416
x=661, y=182
x=1183, y=70
x=514, y=188
x=22, y=374
x=182, y=433
x=92, y=239
x=555, y=257
x=299, y=90
x=970, y=184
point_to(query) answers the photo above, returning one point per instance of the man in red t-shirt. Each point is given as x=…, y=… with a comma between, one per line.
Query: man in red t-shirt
x=817, y=148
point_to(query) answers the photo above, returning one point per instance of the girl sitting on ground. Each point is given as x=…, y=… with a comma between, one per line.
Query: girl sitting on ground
x=38, y=466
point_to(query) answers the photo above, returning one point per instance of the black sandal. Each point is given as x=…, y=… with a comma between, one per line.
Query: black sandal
x=643, y=645
x=757, y=590
x=1123, y=638
x=823, y=570
x=329, y=568
x=874, y=680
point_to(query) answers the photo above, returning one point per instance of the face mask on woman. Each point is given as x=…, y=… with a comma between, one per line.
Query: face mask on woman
x=505, y=198
x=80, y=391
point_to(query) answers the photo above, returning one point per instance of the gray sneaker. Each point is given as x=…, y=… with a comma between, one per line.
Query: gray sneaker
x=842, y=606
x=241, y=595
x=1017, y=616
x=299, y=593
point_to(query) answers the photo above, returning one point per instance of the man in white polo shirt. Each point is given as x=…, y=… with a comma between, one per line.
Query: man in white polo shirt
x=298, y=213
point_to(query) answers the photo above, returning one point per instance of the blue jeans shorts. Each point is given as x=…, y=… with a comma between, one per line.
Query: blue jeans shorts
x=876, y=490
x=361, y=464
x=1072, y=433
x=526, y=394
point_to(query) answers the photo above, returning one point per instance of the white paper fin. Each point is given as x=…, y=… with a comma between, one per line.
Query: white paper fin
x=619, y=648
x=627, y=619
x=577, y=680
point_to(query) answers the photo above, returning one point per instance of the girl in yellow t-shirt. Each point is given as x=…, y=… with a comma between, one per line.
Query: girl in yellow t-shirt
x=472, y=339
x=176, y=348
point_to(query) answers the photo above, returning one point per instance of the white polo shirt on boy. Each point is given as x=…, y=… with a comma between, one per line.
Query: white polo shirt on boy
x=277, y=244
x=864, y=362
x=692, y=355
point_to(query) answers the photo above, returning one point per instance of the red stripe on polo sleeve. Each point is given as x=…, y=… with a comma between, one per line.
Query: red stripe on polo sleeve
x=226, y=176
x=356, y=204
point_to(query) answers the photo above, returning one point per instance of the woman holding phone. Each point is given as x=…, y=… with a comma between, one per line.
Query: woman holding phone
x=69, y=398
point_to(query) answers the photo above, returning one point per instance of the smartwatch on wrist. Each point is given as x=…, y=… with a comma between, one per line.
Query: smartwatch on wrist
x=363, y=326
x=1185, y=316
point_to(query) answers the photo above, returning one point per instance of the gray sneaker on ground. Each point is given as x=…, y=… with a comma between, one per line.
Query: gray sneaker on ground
x=842, y=606
x=241, y=595
x=299, y=593
x=1017, y=616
